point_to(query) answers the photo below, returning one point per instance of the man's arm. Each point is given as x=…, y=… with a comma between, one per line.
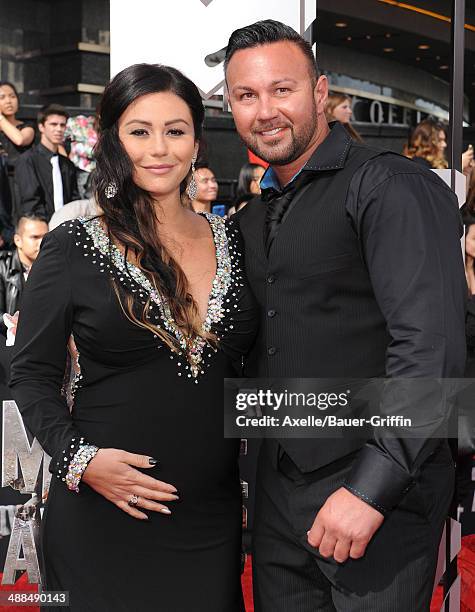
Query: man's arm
x=409, y=228
x=410, y=231
x=30, y=191
x=71, y=175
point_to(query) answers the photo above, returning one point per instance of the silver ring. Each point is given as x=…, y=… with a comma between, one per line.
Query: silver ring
x=133, y=501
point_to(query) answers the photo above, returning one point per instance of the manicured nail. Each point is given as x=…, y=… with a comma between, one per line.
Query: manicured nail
x=165, y=511
x=152, y=461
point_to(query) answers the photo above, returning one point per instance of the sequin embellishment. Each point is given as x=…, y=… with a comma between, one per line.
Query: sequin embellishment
x=192, y=348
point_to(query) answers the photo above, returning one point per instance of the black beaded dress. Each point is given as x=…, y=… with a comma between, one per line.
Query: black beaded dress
x=134, y=393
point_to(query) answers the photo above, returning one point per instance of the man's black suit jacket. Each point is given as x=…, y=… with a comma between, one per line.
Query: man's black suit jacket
x=34, y=181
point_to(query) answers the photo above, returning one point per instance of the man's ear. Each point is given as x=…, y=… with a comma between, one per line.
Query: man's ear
x=17, y=240
x=320, y=94
x=41, y=128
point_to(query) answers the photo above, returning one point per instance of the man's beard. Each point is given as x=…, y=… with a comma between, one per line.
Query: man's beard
x=281, y=155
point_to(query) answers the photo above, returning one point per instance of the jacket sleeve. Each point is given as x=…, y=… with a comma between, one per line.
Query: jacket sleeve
x=74, y=186
x=29, y=190
x=39, y=356
x=409, y=228
x=69, y=174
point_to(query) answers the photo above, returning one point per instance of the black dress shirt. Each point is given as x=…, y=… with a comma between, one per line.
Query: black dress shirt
x=34, y=181
x=364, y=278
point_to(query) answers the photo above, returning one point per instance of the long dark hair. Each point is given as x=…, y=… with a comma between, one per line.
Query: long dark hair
x=4, y=83
x=246, y=176
x=130, y=215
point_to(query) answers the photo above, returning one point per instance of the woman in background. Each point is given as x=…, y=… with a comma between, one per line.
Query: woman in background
x=427, y=145
x=338, y=108
x=248, y=186
x=206, y=189
x=15, y=137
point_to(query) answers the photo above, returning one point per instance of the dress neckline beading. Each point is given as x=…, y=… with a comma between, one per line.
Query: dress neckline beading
x=192, y=349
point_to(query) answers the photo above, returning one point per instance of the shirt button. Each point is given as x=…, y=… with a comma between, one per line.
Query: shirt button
x=271, y=313
x=271, y=350
x=270, y=279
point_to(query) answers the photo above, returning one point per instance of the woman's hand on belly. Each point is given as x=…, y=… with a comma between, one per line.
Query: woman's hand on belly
x=112, y=474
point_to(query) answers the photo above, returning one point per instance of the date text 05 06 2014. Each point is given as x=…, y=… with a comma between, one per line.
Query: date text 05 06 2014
x=27, y=598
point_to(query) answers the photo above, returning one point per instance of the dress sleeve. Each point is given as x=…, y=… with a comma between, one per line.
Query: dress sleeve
x=39, y=355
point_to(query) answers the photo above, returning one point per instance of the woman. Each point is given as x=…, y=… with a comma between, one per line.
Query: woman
x=15, y=137
x=248, y=186
x=249, y=179
x=338, y=108
x=154, y=296
x=206, y=190
x=427, y=145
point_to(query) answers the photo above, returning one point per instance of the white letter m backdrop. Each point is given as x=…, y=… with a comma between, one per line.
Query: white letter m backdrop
x=182, y=33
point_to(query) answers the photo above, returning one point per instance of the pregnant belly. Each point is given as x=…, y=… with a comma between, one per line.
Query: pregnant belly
x=178, y=423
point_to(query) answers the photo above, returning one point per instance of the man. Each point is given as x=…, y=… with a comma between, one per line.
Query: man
x=15, y=265
x=46, y=180
x=354, y=257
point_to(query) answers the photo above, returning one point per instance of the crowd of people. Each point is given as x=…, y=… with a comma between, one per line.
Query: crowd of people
x=159, y=301
x=40, y=179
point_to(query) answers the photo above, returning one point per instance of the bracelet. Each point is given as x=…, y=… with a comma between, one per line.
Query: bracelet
x=60, y=467
x=78, y=465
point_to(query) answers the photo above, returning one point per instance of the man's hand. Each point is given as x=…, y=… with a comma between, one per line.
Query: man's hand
x=11, y=323
x=344, y=526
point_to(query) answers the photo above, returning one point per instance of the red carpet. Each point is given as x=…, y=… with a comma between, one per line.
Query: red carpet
x=20, y=585
x=466, y=567
x=246, y=581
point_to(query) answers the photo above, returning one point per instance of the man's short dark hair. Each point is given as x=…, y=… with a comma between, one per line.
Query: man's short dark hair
x=28, y=217
x=51, y=109
x=267, y=32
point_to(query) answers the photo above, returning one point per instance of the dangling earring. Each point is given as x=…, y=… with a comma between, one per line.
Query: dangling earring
x=192, y=189
x=111, y=190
